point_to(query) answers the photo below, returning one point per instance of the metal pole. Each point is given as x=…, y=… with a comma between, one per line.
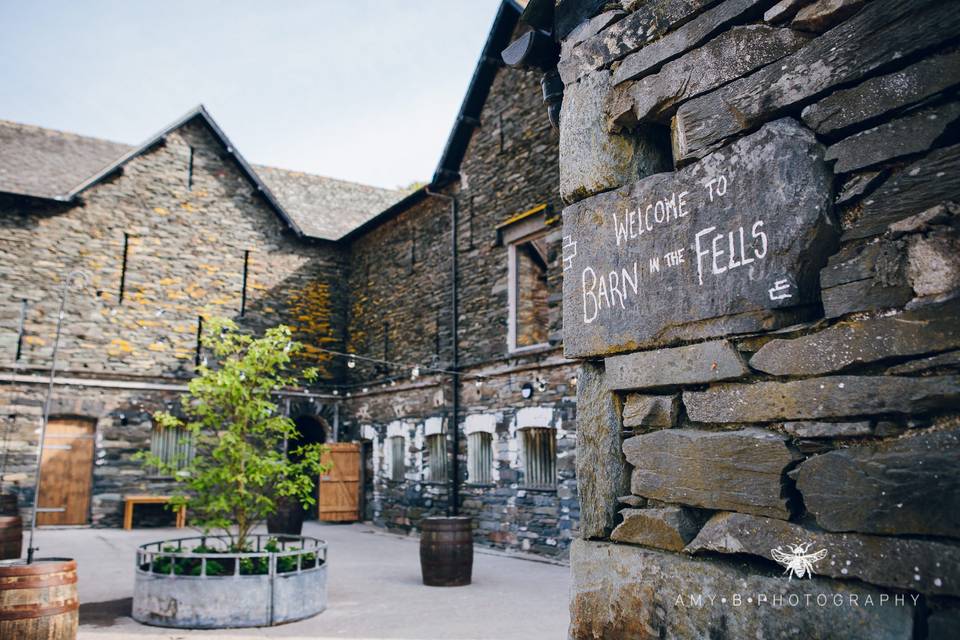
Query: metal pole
x=46, y=406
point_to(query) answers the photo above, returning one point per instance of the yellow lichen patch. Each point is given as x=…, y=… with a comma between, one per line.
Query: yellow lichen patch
x=157, y=346
x=148, y=323
x=222, y=300
x=34, y=340
x=186, y=206
x=166, y=282
x=209, y=268
x=162, y=211
x=118, y=346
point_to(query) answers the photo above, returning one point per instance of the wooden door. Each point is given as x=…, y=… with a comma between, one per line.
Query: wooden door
x=340, y=487
x=67, y=465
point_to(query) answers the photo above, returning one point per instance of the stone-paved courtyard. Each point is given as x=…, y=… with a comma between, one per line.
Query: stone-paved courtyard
x=374, y=590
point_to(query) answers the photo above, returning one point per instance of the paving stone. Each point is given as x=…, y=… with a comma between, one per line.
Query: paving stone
x=925, y=566
x=906, y=486
x=669, y=528
x=637, y=234
x=821, y=398
x=650, y=412
x=857, y=342
x=625, y=591
x=602, y=472
x=592, y=160
x=828, y=429
x=648, y=22
x=730, y=55
x=882, y=30
x=735, y=470
x=684, y=38
x=911, y=134
x=847, y=108
x=825, y=14
x=692, y=364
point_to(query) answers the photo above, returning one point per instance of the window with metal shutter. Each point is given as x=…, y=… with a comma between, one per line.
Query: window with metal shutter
x=480, y=457
x=540, y=458
x=437, y=457
x=173, y=445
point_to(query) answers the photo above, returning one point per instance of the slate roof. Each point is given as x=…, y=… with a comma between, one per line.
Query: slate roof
x=44, y=163
x=325, y=207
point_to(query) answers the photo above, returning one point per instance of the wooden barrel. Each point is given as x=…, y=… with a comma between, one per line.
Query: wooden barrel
x=8, y=504
x=39, y=601
x=11, y=537
x=446, y=551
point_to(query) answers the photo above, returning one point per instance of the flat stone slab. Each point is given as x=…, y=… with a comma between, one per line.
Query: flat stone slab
x=828, y=429
x=733, y=470
x=706, y=241
x=858, y=342
x=732, y=54
x=624, y=591
x=602, y=472
x=669, y=528
x=906, y=486
x=911, y=134
x=883, y=30
x=846, y=108
x=698, y=363
x=821, y=398
x=917, y=565
x=650, y=412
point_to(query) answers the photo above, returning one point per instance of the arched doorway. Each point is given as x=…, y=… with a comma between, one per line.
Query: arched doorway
x=313, y=429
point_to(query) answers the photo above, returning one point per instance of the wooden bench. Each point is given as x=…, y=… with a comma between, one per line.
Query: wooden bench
x=130, y=501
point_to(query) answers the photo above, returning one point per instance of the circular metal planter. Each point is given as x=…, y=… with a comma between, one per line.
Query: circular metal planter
x=178, y=588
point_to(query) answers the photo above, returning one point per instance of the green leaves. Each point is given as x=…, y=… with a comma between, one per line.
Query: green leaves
x=240, y=466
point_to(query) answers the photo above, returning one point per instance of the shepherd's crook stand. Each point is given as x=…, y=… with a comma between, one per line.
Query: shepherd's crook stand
x=84, y=279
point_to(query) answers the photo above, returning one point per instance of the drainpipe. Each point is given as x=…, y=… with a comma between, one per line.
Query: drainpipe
x=453, y=504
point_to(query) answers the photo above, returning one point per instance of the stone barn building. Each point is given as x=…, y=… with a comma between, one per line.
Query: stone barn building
x=761, y=270
x=459, y=280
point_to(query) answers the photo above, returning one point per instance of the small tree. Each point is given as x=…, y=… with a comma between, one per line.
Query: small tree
x=241, y=466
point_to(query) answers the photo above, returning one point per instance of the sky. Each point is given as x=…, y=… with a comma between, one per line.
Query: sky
x=362, y=90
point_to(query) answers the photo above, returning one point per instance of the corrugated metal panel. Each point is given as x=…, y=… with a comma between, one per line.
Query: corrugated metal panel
x=437, y=452
x=540, y=458
x=480, y=457
x=172, y=445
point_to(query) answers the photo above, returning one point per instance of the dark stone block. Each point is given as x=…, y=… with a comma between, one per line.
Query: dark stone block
x=676, y=243
x=882, y=31
x=669, y=528
x=693, y=364
x=736, y=470
x=820, y=398
x=906, y=486
x=857, y=342
x=917, y=565
x=844, y=109
x=602, y=472
x=690, y=35
x=913, y=133
x=828, y=429
x=650, y=412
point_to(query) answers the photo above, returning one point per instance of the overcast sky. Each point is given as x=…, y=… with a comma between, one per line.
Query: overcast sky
x=363, y=90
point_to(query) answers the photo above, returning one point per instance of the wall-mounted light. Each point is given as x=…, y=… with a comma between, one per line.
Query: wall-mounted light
x=541, y=385
x=352, y=363
x=573, y=381
x=526, y=390
x=415, y=373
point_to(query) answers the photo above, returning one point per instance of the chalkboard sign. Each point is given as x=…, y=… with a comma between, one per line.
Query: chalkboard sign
x=747, y=228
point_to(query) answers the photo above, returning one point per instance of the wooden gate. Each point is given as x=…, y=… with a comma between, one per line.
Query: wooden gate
x=340, y=487
x=67, y=465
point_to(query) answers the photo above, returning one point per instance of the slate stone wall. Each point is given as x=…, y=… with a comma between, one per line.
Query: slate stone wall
x=771, y=326
x=400, y=311
x=186, y=238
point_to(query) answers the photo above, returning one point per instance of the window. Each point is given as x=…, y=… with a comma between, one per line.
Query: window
x=480, y=457
x=437, y=457
x=539, y=457
x=529, y=312
x=174, y=446
x=396, y=452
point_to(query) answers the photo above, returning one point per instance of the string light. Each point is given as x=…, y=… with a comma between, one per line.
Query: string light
x=478, y=382
x=352, y=363
x=541, y=385
x=415, y=373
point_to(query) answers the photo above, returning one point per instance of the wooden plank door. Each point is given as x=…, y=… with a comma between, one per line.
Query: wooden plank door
x=67, y=464
x=340, y=487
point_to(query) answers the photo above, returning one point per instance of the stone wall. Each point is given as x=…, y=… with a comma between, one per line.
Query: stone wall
x=185, y=256
x=400, y=280
x=770, y=321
